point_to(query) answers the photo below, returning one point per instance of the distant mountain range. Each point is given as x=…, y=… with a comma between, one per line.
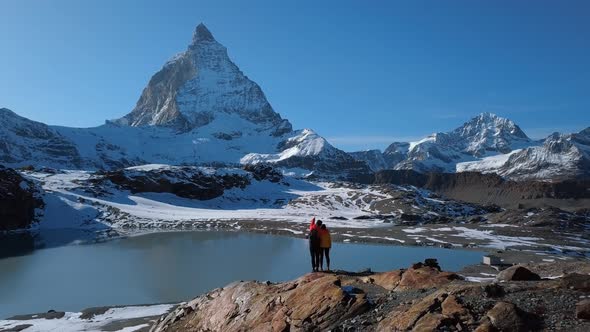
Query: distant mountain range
x=489, y=144
x=200, y=109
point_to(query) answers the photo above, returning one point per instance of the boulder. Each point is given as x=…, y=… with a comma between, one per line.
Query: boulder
x=505, y=316
x=575, y=281
x=493, y=290
x=583, y=309
x=517, y=273
x=425, y=277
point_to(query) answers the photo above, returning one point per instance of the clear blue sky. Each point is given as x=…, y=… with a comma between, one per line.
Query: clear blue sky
x=361, y=73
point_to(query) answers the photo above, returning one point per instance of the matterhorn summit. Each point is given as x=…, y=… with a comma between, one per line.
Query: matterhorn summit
x=199, y=85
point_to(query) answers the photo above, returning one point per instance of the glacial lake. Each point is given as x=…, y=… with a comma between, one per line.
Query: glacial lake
x=177, y=266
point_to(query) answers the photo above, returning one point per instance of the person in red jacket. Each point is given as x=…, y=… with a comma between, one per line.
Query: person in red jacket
x=312, y=225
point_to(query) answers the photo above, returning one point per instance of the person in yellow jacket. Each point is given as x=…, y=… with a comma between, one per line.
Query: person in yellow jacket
x=325, y=245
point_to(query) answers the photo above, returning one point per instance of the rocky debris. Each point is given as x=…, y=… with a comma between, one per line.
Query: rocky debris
x=262, y=172
x=583, y=309
x=550, y=217
x=517, y=273
x=18, y=200
x=488, y=189
x=312, y=302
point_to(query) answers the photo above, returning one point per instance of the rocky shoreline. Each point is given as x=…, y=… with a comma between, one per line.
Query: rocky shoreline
x=420, y=298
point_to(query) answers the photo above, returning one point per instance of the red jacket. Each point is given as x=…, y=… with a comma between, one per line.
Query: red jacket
x=312, y=225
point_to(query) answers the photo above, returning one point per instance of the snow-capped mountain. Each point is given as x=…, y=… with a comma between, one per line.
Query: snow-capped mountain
x=198, y=109
x=489, y=144
x=484, y=135
x=561, y=156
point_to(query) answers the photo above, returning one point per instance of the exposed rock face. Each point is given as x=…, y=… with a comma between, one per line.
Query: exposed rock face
x=193, y=88
x=373, y=158
x=312, y=302
x=17, y=200
x=486, y=188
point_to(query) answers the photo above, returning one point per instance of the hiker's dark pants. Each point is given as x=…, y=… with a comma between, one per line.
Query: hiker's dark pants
x=316, y=255
x=324, y=252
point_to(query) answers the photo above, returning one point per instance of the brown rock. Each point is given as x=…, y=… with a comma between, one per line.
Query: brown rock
x=388, y=280
x=404, y=317
x=506, y=317
x=517, y=273
x=583, y=309
x=575, y=281
x=431, y=322
x=485, y=326
x=452, y=307
x=314, y=301
x=425, y=277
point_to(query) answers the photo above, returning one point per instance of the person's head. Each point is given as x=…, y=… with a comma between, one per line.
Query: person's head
x=324, y=226
x=319, y=223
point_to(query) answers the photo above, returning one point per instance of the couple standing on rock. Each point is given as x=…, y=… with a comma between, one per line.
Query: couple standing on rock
x=320, y=243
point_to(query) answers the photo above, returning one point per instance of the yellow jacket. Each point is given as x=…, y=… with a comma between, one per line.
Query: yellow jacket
x=325, y=239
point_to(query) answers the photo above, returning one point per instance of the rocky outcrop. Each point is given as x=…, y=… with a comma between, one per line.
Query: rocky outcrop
x=17, y=200
x=344, y=301
x=312, y=302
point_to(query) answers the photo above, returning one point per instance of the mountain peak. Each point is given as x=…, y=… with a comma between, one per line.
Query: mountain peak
x=490, y=122
x=202, y=34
